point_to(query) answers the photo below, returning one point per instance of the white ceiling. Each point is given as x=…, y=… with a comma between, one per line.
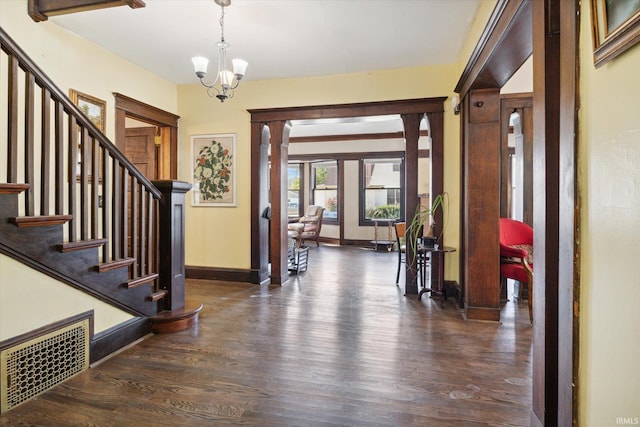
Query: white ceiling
x=281, y=38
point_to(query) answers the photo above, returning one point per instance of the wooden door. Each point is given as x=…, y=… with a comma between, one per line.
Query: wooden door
x=140, y=149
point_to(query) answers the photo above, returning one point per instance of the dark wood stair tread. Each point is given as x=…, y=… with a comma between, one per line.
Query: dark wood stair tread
x=133, y=283
x=13, y=188
x=116, y=263
x=81, y=244
x=175, y=320
x=157, y=296
x=42, y=220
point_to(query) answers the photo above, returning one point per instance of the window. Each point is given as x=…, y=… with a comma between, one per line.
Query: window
x=294, y=190
x=382, y=187
x=325, y=188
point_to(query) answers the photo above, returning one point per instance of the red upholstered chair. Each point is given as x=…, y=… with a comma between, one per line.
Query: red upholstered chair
x=516, y=254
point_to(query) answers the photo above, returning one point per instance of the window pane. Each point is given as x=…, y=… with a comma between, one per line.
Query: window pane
x=382, y=203
x=293, y=177
x=325, y=175
x=382, y=188
x=293, y=205
x=329, y=200
x=325, y=188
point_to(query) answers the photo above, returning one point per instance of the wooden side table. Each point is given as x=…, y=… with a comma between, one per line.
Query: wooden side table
x=380, y=243
x=437, y=258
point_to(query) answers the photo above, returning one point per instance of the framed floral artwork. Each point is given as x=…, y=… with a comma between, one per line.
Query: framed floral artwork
x=214, y=171
x=616, y=28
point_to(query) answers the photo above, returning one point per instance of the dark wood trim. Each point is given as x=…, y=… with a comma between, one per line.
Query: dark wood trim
x=134, y=283
x=41, y=10
x=551, y=27
x=421, y=105
x=260, y=229
x=145, y=112
x=279, y=143
x=546, y=91
x=40, y=221
x=569, y=210
x=359, y=155
x=175, y=320
x=49, y=328
x=504, y=46
x=113, y=339
x=341, y=186
x=13, y=188
x=215, y=273
x=115, y=264
x=129, y=107
x=433, y=107
x=352, y=137
x=362, y=221
x=81, y=244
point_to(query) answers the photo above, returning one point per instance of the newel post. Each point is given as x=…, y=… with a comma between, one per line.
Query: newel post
x=171, y=214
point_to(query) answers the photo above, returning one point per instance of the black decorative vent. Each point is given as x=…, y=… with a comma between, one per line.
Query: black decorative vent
x=34, y=366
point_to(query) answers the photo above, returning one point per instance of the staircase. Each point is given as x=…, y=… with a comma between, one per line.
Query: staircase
x=73, y=207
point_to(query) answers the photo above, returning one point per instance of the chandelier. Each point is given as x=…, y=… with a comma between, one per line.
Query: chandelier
x=226, y=80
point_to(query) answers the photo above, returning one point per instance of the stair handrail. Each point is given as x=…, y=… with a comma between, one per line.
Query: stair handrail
x=24, y=62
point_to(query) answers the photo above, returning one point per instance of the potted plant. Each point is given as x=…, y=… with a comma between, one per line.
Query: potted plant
x=424, y=217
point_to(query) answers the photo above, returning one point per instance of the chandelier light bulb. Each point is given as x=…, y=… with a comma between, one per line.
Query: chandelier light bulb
x=228, y=80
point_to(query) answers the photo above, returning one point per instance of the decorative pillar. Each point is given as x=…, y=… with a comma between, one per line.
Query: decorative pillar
x=481, y=203
x=171, y=240
x=411, y=135
x=279, y=163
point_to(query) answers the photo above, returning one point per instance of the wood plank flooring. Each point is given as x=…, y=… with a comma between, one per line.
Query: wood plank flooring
x=338, y=345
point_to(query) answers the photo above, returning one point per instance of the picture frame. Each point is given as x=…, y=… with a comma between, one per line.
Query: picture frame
x=94, y=108
x=213, y=170
x=615, y=27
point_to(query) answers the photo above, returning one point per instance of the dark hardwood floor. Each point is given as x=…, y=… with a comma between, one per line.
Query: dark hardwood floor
x=337, y=345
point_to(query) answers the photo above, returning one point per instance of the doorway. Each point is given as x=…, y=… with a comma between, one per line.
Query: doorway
x=271, y=129
x=512, y=32
x=155, y=147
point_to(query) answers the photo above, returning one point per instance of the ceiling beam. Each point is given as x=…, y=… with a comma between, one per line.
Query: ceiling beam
x=41, y=10
x=352, y=137
x=503, y=47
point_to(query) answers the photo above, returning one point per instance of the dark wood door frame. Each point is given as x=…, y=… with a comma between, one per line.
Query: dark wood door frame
x=263, y=124
x=515, y=28
x=165, y=121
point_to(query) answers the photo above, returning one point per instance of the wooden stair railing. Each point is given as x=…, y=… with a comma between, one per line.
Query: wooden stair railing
x=66, y=170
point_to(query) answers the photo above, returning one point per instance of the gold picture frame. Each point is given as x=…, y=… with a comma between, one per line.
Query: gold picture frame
x=616, y=28
x=94, y=108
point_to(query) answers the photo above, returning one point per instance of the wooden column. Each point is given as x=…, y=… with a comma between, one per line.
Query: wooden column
x=481, y=203
x=411, y=135
x=546, y=133
x=279, y=130
x=171, y=240
x=259, y=202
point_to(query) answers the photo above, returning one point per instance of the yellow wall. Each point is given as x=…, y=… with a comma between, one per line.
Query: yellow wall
x=609, y=183
x=70, y=62
x=220, y=237
x=74, y=63
x=27, y=296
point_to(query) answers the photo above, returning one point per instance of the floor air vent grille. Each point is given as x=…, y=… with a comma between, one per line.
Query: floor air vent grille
x=34, y=366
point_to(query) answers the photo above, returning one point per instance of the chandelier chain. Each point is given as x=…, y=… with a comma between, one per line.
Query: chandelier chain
x=222, y=25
